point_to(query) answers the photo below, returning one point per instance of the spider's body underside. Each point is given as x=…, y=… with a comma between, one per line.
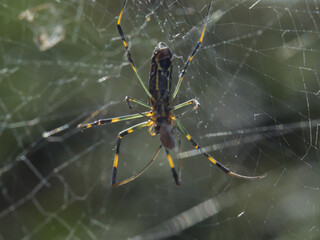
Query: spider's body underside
x=161, y=120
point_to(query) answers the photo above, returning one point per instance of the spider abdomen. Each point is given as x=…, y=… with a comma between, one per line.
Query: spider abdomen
x=167, y=135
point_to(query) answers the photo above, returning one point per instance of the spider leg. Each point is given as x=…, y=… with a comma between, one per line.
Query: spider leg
x=174, y=172
x=110, y=120
x=192, y=101
x=128, y=51
x=120, y=136
x=215, y=162
x=196, y=48
x=179, y=171
x=131, y=99
x=139, y=173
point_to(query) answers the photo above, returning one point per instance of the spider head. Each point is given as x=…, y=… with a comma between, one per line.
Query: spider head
x=163, y=55
x=167, y=138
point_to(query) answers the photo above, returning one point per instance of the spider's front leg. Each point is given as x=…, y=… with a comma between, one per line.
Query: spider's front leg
x=125, y=44
x=193, y=53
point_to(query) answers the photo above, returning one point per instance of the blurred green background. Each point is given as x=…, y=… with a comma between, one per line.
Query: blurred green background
x=62, y=62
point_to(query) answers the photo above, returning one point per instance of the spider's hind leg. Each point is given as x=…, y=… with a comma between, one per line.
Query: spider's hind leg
x=119, y=139
x=139, y=173
x=211, y=159
x=175, y=175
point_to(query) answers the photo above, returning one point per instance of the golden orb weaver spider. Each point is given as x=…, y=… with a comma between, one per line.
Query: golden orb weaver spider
x=161, y=120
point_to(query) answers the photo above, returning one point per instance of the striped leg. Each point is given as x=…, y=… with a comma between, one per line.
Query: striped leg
x=196, y=48
x=215, y=162
x=116, y=157
x=128, y=51
x=111, y=120
x=137, y=175
x=174, y=172
x=192, y=101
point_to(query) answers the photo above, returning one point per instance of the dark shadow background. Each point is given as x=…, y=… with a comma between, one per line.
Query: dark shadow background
x=61, y=61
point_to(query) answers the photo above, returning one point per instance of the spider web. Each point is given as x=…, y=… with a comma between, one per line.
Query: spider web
x=256, y=77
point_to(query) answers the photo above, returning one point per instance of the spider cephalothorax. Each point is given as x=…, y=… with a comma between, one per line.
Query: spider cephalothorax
x=160, y=79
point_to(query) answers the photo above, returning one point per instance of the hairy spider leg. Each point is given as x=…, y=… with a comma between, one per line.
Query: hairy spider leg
x=196, y=48
x=174, y=172
x=139, y=173
x=120, y=136
x=207, y=155
x=128, y=51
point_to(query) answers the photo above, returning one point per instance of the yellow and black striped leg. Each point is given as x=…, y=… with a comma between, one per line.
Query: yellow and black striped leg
x=128, y=51
x=110, y=120
x=187, y=103
x=215, y=162
x=174, y=172
x=116, y=157
x=138, y=174
x=196, y=48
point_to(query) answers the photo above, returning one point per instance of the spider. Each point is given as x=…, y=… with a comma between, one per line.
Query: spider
x=161, y=119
